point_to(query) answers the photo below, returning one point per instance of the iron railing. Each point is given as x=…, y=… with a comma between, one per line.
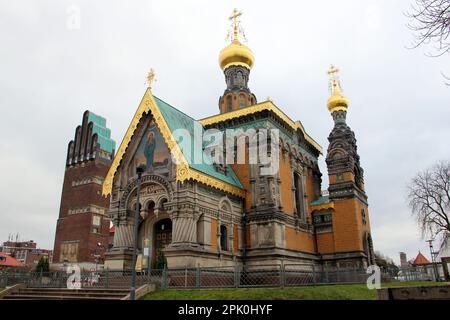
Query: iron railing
x=282, y=275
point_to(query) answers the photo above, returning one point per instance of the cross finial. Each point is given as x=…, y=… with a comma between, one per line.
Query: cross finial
x=333, y=71
x=333, y=74
x=235, y=24
x=151, y=78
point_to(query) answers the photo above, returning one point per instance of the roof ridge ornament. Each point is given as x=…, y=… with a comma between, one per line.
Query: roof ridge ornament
x=151, y=78
x=334, y=80
x=236, y=53
x=337, y=101
x=236, y=29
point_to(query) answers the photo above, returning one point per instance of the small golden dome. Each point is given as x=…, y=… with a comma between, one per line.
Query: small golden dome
x=337, y=101
x=236, y=54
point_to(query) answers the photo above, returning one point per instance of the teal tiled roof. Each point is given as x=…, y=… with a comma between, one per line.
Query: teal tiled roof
x=103, y=133
x=176, y=119
x=320, y=200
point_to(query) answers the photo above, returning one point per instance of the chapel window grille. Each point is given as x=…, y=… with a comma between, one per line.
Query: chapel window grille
x=229, y=104
x=241, y=101
x=223, y=238
x=298, y=194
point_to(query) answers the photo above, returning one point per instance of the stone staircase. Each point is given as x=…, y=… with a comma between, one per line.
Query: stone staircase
x=66, y=294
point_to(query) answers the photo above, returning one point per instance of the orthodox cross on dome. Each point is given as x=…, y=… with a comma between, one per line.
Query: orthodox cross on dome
x=333, y=74
x=236, y=28
x=151, y=78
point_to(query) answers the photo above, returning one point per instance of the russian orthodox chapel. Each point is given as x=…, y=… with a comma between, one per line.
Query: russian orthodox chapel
x=209, y=214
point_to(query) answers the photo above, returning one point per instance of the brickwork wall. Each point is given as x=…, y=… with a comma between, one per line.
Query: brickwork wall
x=78, y=226
x=347, y=225
x=286, y=174
x=325, y=243
x=310, y=186
x=299, y=240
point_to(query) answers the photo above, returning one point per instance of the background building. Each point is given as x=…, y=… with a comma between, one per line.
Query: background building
x=82, y=230
x=403, y=260
x=26, y=252
x=9, y=263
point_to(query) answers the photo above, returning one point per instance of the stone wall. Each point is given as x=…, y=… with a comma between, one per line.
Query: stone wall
x=415, y=293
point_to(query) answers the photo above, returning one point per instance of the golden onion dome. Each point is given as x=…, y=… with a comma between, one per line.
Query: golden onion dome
x=236, y=54
x=337, y=101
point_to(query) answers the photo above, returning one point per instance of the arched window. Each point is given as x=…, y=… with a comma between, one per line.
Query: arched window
x=240, y=79
x=151, y=206
x=229, y=104
x=242, y=103
x=363, y=216
x=223, y=238
x=298, y=194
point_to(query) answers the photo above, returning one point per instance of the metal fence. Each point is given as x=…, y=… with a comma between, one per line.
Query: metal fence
x=59, y=279
x=284, y=275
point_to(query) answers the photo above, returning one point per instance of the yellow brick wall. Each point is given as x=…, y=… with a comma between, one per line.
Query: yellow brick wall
x=347, y=225
x=299, y=240
x=243, y=173
x=287, y=200
x=310, y=186
x=346, y=176
x=325, y=242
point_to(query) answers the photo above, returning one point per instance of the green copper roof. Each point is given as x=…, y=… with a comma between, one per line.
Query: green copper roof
x=176, y=119
x=103, y=133
x=320, y=200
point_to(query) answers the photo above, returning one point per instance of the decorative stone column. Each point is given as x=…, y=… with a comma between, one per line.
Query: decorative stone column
x=184, y=227
x=120, y=256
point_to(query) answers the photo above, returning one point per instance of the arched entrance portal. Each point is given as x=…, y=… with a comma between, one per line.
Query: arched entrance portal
x=162, y=238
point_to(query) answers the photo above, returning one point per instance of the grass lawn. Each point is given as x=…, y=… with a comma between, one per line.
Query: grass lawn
x=322, y=292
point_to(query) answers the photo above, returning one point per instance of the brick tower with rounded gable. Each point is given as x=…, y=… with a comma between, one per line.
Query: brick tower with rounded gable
x=82, y=230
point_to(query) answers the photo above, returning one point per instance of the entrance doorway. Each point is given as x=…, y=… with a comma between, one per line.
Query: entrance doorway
x=163, y=237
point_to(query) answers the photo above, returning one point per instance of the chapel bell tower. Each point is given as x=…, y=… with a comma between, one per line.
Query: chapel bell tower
x=236, y=61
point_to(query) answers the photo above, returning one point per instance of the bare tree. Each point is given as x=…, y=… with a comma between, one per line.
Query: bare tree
x=430, y=20
x=429, y=199
x=447, y=79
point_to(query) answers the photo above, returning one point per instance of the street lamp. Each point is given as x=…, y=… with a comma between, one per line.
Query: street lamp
x=65, y=262
x=139, y=172
x=436, y=273
x=97, y=256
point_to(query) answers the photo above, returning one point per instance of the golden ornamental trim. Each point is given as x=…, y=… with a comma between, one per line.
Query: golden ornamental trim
x=323, y=206
x=340, y=108
x=183, y=171
x=266, y=105
x=144, y=106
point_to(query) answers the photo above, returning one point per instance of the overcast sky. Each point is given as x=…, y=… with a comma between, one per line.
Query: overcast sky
x=51, y=71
